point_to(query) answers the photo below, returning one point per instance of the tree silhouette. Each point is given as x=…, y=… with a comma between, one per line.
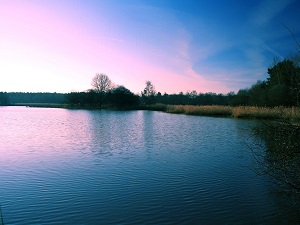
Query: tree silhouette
x=284, y=83
x=148, y=95
x=3, y=99
x=121, y=97
x=101, y=84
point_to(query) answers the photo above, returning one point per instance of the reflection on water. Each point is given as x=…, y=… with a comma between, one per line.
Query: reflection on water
x=279, y=156
x=130, y=167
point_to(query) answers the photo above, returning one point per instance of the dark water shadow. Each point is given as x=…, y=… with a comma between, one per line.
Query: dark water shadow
x=276, y=151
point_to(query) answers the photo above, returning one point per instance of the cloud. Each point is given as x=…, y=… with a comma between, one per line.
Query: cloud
x=175, y=51
x=267, y=10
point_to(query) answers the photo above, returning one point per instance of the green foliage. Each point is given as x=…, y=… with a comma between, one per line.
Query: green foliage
x=122, y=97
x=282, y=87
x=4, y=100
x=258, y=94
x=87, y=99
x=284, y=83
x=242, y=97
x=195, y=99
x=42, y=97
x=279, y=95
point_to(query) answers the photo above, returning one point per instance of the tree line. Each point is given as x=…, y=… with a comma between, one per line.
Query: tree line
x=8, y=98
x=281, y=88
x=105, y=93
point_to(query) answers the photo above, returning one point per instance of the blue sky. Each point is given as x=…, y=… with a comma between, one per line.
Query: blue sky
x=207, y=46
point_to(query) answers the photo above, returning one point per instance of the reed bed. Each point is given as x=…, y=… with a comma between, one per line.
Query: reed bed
x=200, y=110
x=278, y=113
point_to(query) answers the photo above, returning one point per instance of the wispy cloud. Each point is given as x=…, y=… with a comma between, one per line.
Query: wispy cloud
x=267, y=10
x=134, y=41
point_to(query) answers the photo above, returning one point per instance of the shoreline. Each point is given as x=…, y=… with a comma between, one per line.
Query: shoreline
x=291, y=114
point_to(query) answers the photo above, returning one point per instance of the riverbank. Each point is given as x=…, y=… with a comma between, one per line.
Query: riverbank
x=291, y=114
x=40, y=105
x=154, y=107
x=277, y=113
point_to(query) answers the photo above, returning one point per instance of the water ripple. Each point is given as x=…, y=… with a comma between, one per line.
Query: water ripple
x=137, y=167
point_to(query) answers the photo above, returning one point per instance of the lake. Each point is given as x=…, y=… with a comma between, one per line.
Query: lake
x=60, y=166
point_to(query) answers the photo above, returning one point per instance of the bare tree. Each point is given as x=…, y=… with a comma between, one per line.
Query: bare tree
x=101, y=83
x=149, y=93
x=295, y=39
x=149, y=89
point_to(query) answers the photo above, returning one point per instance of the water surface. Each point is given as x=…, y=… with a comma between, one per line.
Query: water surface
x=63, y=166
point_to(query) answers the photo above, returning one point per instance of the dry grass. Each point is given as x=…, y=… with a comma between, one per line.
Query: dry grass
x=200, y=110
x=292, y=114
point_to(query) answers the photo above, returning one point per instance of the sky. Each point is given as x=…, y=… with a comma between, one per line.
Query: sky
x=179, y=45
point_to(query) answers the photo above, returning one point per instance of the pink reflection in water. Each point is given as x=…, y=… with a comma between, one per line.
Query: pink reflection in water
x=40, y=135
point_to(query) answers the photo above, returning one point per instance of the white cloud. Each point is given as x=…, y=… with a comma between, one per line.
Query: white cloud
x=267, y=10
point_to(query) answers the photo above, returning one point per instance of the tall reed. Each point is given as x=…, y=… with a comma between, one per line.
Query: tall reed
x=200, y=110
x=285, y=113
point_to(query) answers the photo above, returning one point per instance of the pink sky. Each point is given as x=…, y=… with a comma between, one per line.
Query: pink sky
x=58, y=46
x=46, y=48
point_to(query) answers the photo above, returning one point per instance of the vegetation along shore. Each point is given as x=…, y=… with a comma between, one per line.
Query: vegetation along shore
x=291, y=114
x=287, y=114
x=277, y=97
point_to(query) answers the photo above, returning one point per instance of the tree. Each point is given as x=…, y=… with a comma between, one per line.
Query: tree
x=122, y=97
x=193, y=94
x=285, y=77
x=279, y=95
x=101, y=84
x=258, y=94
x=241, y=98
x=148, y=95
x=3, y=99
x=149, y=89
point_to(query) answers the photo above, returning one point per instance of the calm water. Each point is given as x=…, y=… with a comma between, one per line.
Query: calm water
x=62, y=166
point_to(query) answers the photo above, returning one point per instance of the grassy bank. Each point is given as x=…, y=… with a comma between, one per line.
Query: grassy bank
x=278, y=113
